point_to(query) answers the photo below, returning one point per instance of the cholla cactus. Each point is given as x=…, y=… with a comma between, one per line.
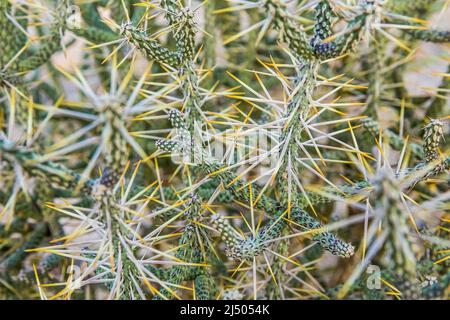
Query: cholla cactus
x=263, y=149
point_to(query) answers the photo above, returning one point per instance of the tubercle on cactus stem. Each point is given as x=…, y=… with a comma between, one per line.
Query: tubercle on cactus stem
x=431, y=35
x=38, y=204
x=433, y=132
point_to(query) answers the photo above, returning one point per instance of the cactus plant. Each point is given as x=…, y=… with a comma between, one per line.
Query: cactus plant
x=262, y=149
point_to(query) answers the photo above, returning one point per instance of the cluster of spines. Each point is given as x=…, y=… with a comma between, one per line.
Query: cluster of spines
x=297, y=39
x=342, y=43
x=13, y=66
x=290, y=32
x=190, y=252
x=150, y=47
x=323, y=27
x=251, y=247
x=183, y=25
x=394, y=139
